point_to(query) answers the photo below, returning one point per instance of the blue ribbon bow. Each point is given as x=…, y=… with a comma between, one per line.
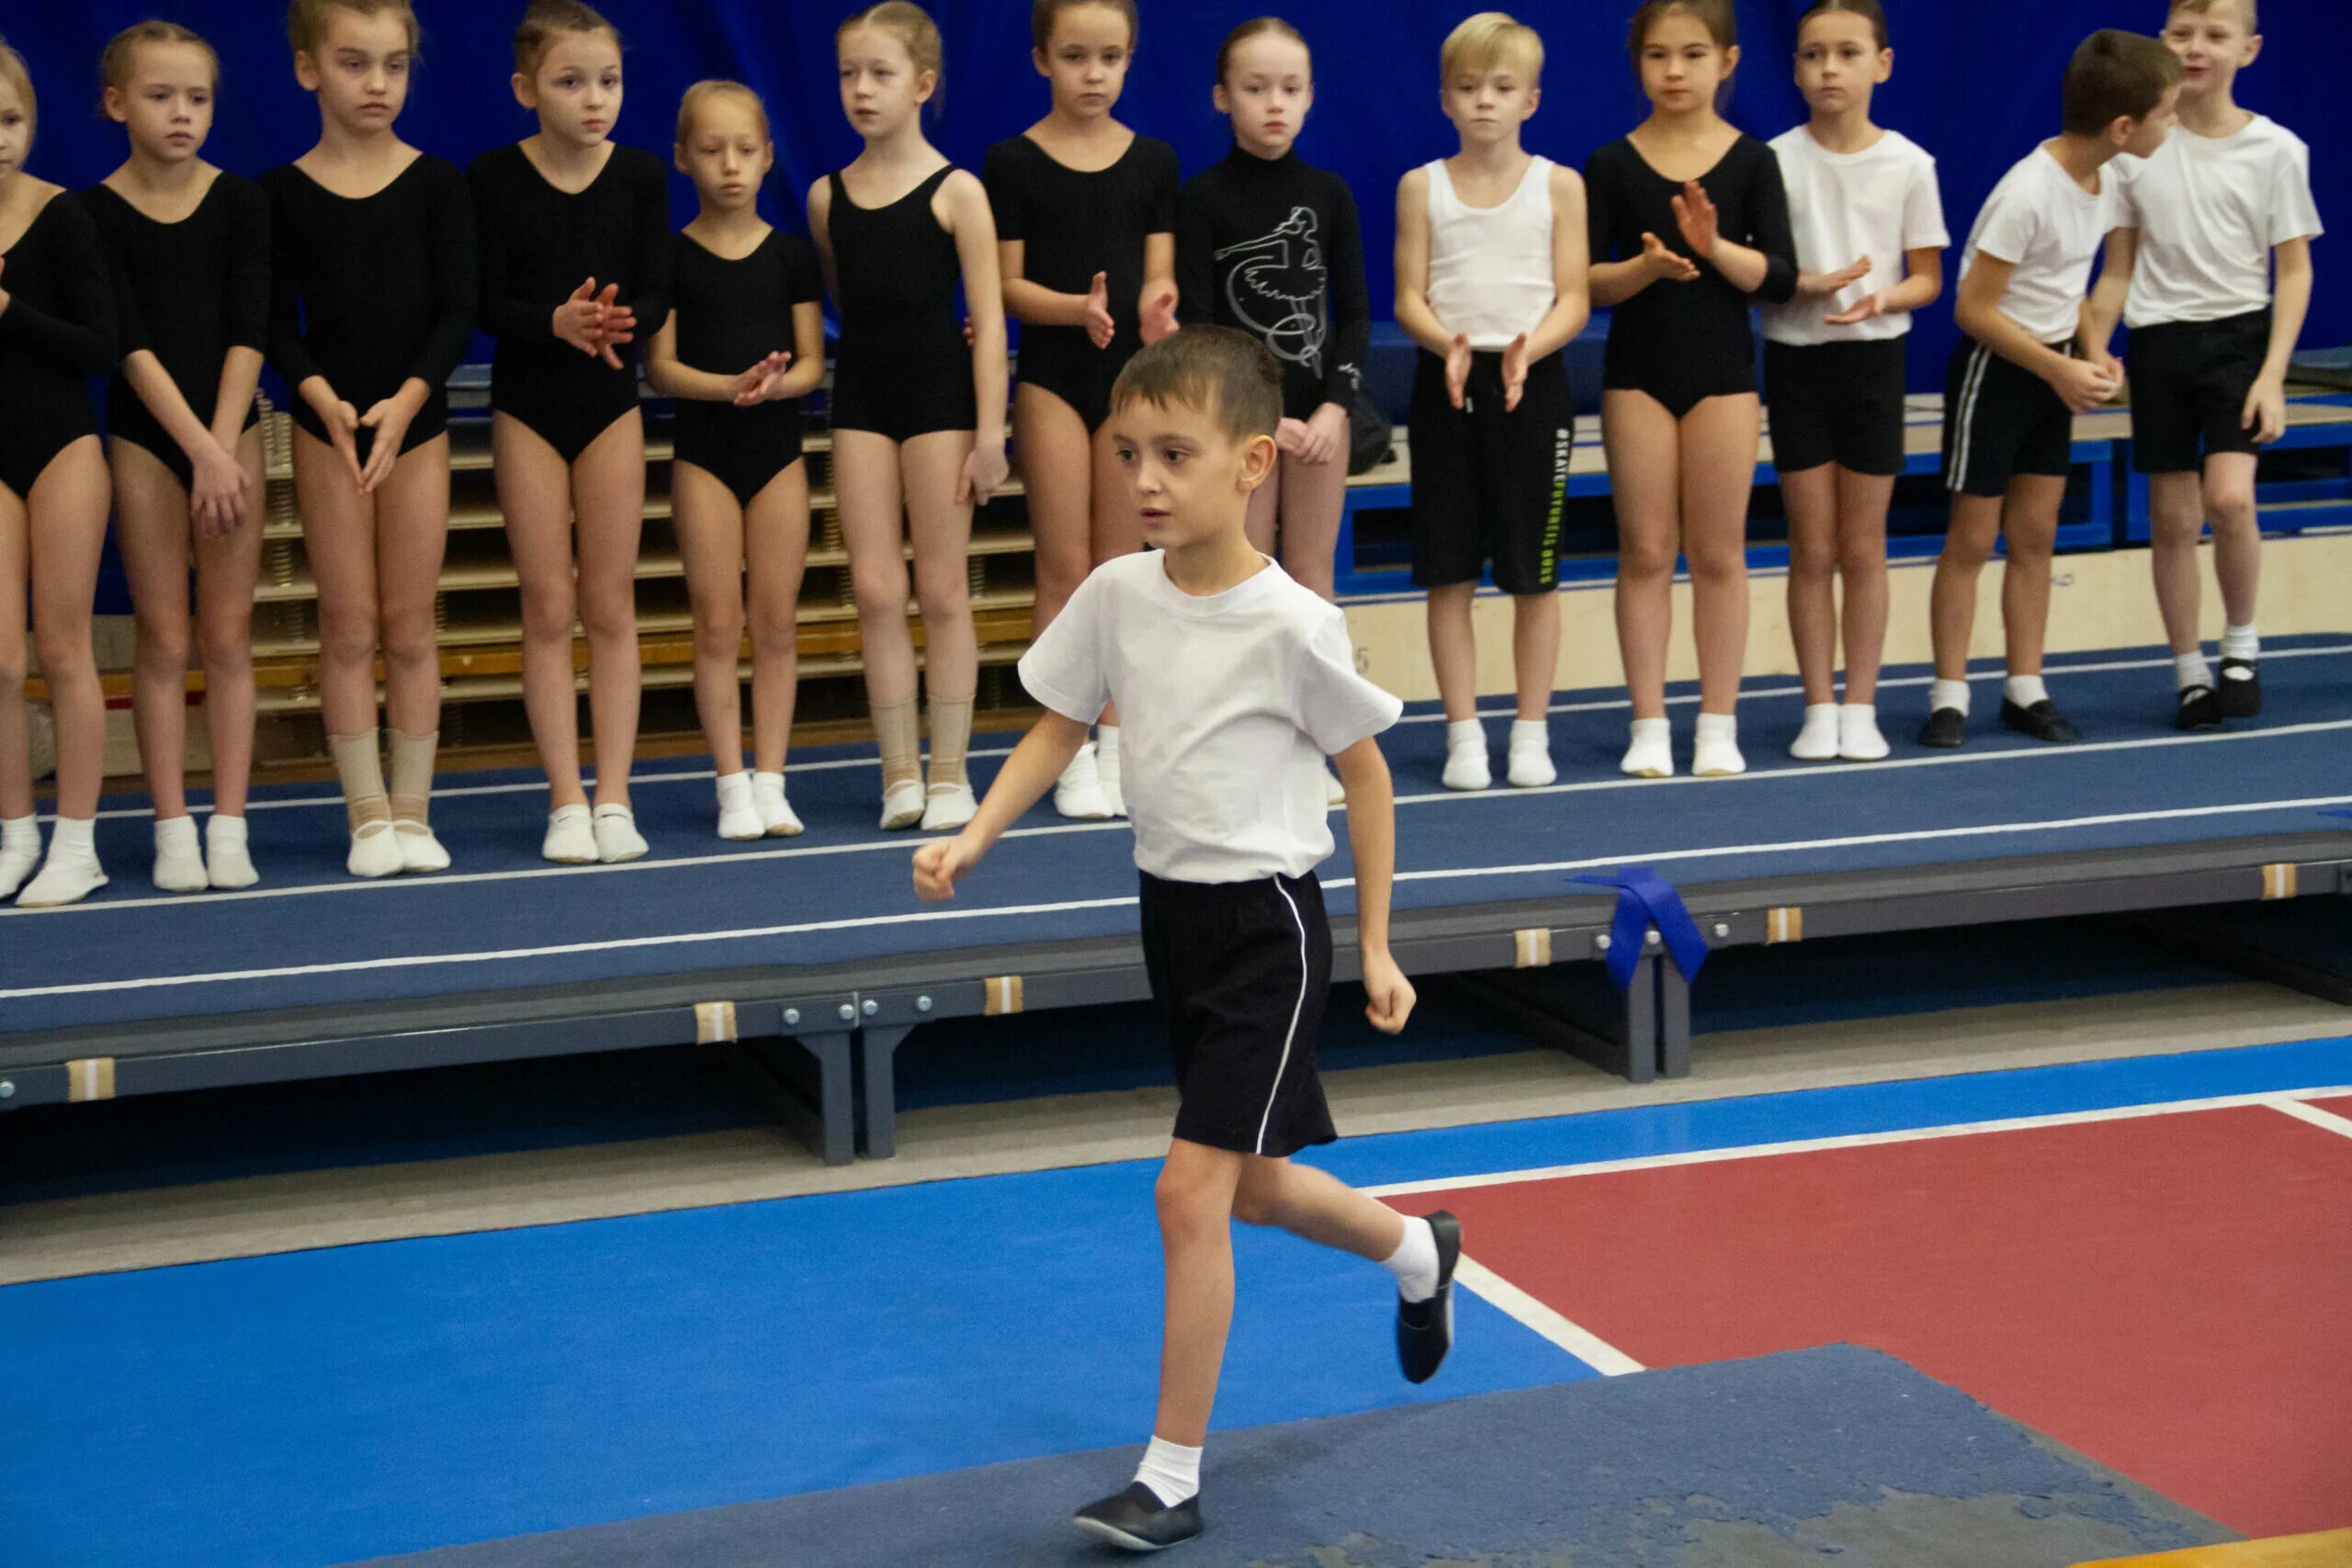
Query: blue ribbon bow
x=1644, y=900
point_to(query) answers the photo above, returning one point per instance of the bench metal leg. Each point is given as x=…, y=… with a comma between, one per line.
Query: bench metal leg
x=1617, y=1031
x=1673, y=1021
x=821, y=1113
x=878, y=1123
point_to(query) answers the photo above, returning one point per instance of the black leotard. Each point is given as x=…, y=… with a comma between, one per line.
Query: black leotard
x=539, y=245
x=903, y=368
x=731, y=315
x=1073, y=223
x=186, y=292
x=372, y=291
x=1273, y=247
x=1683, y=342
x=56, y=333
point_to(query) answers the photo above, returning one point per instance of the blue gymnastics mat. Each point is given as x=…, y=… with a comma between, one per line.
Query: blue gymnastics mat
x=1838, y=1454
x=503, y=920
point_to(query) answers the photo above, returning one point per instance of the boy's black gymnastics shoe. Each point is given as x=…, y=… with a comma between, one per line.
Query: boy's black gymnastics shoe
x=1135, y=1520
x=2241, y=690
x=1425, y=1329
x=2042, y=721
x=1946, y=729
x=2199, y=710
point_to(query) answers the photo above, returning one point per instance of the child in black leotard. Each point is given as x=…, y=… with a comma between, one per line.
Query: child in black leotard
x=190, y=251
x=1271, y=244
x=575, y=261
x=56, y=330
x=739, y=491
x=918, y=414
x=1086, y=225
x=372, y=281
x=1688, y=221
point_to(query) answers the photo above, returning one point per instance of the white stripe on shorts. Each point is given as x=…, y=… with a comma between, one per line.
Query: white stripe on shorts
x=1970, y=385
x=1297, y=1008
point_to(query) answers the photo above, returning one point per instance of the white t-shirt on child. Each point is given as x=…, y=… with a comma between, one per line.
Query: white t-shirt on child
x=1880, y=202
x=2049, y=230
x=2210, y=209
x=1228, y=703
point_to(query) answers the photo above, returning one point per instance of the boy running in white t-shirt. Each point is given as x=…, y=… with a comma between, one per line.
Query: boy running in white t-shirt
x=1233, y=683
x=2025, y=369
x=2198, y=225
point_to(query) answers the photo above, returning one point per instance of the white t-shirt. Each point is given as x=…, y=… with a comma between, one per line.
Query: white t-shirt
x=1879, y=202
x=2209, y=210
x=2049, y=230
x=1227, y=706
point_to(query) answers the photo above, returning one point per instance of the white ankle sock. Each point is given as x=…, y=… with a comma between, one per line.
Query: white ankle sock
x=1466, y=756
x=1414, y=1263
x=228, y=862
x=179, y=856
x=75, y=838
x=1651, y=753
x=2190, y=670
x=1816, y=742
x=2241, y=642
x=1714, y=750
x=2025, y=690
x=738, y=817
x=1859, y=739
x=1531, y=753
x=1172, y=1471
x=19, y=850
x=1953, y=694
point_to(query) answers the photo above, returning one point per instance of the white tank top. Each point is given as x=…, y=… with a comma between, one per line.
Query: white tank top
x=1490, y=268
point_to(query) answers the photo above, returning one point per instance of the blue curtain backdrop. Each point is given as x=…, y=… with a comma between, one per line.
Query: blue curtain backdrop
x=1975, y=83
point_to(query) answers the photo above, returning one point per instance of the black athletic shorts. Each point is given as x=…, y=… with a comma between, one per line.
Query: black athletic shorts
x=1242, y=970
x=2001, y=421
x=1835, y=402
x=1489, y=484
x=2188, y=385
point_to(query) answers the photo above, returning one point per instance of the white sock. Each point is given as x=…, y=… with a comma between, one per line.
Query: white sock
x=1817, y=740
x=1530, y=735
x=1650, y=753
x=2241, y=642
x=75, y=838
x=738, y=817
x=2025, y=690
x=179, y=857
x=1106, y=748
x=1466, y=756
x=1953, y=694
x=228, y=862
x=1414, y=1263
x=1531, y=753
x=1172, y=1471
x=1714, y=749
x=19, y=852
x=1859, y=739
x=2190, y=670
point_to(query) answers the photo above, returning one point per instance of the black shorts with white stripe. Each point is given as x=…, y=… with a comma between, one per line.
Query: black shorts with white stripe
x=1242, y=970
x=2001, y=421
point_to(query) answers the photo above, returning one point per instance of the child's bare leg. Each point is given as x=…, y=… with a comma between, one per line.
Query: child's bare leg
x=1316, y=1206
x=1194, y=1195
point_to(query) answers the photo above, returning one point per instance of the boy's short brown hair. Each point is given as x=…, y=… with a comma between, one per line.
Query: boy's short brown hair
x=1215, y=369
x=2246, y=11
x=2117, y=75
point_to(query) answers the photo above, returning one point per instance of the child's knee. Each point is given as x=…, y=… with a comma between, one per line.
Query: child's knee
x=1191, y=1199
